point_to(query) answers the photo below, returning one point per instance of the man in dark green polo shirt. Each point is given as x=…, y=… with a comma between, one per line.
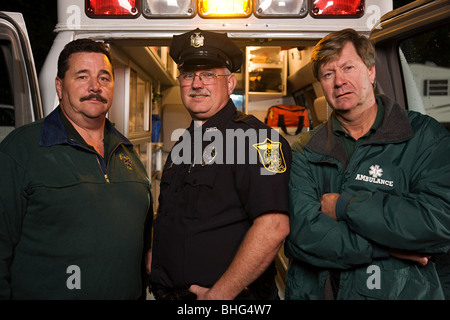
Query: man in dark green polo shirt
x=74, y=196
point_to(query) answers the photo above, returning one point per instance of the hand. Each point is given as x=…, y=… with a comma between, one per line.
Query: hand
x=328, y=204
x=409, y=255
x=209, y=293
x=148, y=262
x=201, y=292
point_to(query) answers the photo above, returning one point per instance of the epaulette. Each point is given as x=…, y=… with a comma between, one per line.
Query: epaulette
x=249, y=119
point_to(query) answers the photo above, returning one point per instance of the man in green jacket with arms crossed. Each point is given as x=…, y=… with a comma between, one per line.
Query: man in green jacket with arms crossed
x=369, y=189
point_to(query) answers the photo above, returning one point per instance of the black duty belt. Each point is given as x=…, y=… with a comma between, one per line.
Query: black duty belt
x=161, y=293
x=263, y=288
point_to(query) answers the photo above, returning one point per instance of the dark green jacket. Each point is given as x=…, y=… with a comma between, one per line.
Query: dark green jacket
x=68, y=217
x=395, y=193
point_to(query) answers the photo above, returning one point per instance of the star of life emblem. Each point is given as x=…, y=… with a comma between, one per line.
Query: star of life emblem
x=375, y=171
x=197, y=40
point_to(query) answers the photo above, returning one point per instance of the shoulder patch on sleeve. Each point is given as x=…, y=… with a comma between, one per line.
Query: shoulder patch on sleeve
x=271, y=155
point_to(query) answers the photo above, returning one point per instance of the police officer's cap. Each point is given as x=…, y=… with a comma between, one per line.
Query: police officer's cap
x=199, y=48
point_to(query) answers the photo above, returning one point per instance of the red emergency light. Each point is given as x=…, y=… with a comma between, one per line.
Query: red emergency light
x=112, y=8
x=336, y=8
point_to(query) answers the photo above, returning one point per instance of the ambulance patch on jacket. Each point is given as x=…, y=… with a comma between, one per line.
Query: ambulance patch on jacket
x=375, y=172
x=271, y=156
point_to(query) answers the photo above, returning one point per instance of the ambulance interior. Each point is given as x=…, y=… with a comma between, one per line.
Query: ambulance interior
x=271, y=74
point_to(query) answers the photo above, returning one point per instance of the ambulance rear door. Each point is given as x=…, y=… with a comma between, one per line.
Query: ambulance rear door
x=20, y=101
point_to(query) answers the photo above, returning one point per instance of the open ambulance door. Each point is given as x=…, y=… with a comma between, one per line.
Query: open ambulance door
x=413, y=59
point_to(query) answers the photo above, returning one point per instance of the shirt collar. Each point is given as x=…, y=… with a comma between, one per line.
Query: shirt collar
x=218, y=120
x=339, y=131
x=54, y=132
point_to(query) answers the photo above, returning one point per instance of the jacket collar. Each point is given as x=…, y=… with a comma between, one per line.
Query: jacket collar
x=54, y=133
x=395, y=127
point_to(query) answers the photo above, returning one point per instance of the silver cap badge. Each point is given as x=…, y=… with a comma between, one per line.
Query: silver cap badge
x=197, y=40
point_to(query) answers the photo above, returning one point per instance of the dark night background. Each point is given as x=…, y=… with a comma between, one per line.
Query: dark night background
x=40, y=18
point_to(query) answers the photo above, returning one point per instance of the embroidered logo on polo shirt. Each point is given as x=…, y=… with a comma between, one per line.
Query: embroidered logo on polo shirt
x=127, y=161
x=375, y=172
x=271, y=156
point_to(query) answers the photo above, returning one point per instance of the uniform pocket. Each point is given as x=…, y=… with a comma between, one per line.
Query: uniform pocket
x=198, y=189
x=399, y=281
x=202, y=176
x=303, y=282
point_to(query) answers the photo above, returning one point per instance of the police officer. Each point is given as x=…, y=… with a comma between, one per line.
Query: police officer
x=223, y=205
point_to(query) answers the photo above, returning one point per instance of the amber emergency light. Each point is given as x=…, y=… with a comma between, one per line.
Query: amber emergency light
x=224, y=8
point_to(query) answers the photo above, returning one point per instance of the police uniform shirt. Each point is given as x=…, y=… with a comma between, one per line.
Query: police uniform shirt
x=206, y=208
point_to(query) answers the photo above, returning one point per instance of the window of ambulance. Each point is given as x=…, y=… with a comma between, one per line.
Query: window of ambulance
x=425, y=61
x=413, y=60
x=7, y=118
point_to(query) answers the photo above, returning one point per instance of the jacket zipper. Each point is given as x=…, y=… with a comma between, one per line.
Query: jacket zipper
x=107, y=163
x=103, y=170
x=105, y=174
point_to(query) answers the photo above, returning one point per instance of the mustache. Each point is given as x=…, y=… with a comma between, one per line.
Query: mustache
x=199, y=93
x=96, y=96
